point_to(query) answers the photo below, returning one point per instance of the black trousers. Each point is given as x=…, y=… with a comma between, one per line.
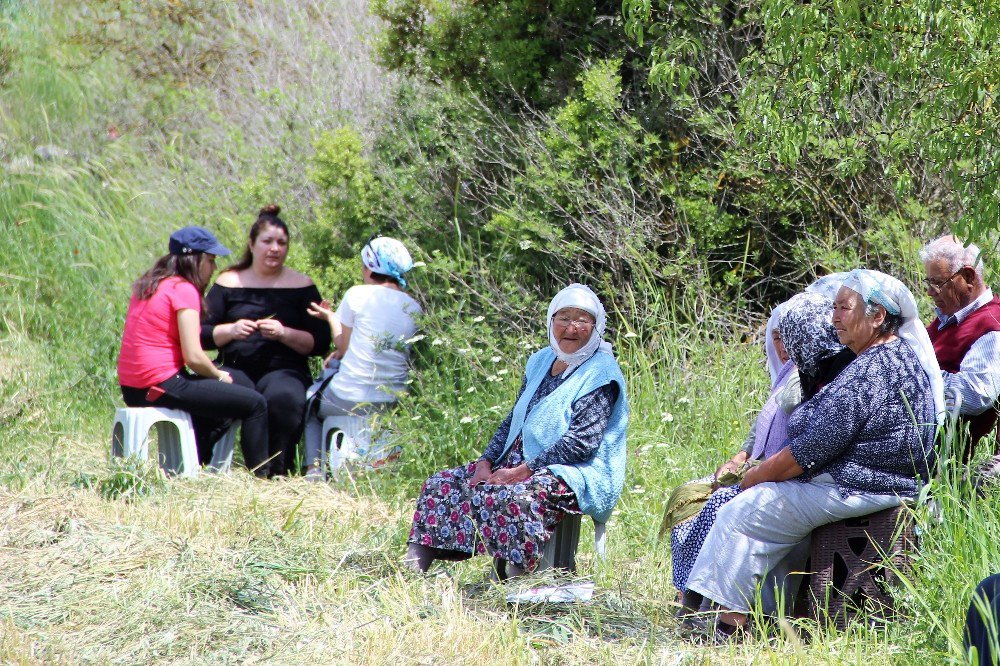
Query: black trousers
x=979, y=624
x=213, y=405
x=285, y=393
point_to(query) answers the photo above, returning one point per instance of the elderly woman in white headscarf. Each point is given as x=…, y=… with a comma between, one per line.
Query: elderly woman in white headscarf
x=561, y=450
x=864, y=443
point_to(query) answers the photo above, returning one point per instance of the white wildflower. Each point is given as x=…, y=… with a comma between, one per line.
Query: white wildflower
x=466, y=419
x=667, y=417
x=478, y=319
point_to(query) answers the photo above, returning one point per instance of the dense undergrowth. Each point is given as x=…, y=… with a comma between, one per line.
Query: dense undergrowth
x=120, y=121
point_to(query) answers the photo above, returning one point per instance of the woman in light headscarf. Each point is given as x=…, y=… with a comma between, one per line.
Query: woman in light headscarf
x=813, y=348
x=864, y=443
x=561, y=450
x=371, y=329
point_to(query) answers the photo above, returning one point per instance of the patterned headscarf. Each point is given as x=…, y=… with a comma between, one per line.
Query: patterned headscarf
x=387, y=256
x=885, y=290
x=807, y=331
x=579, y=296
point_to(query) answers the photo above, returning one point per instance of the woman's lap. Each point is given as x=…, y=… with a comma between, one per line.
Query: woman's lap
x=687, y=538
x=512, y=522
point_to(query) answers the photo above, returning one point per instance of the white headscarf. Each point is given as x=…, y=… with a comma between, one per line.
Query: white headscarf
x=890, y=293
x=828, y=285
x=774, y=364
x=579, y=296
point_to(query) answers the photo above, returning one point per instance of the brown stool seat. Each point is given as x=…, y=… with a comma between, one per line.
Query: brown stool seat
x=848, y=561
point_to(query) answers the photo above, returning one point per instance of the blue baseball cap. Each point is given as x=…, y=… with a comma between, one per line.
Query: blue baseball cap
x=196, y=239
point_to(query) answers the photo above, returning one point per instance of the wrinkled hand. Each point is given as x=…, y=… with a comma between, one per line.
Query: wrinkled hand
x=725, y=468
x=509, y=475
x=729, y=466
x=242, y=328
x=483, y=471
x=271, y=329
x=321, y=310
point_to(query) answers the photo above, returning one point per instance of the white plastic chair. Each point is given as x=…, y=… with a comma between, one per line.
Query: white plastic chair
x=178, y=452
x=348, y=439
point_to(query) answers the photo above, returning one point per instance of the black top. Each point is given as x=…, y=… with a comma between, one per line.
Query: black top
x=255, y=355
x=827, y=370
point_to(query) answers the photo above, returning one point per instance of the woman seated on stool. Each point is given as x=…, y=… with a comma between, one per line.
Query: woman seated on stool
x=257, y=319
x=161, y=338
x=370, y=330
x=561, y=450
x=811, y=340
x=862, y=444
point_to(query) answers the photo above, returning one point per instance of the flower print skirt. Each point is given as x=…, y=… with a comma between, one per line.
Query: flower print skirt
x=511, y=522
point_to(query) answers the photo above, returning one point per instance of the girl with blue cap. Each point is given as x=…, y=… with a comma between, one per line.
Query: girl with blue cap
x=162, y=363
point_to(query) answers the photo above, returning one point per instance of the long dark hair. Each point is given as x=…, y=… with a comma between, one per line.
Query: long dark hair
x=268, y=217
x=184, y=266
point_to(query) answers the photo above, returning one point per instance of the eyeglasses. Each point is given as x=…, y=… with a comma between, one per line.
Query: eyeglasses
x=934, y=288
x=566, y=322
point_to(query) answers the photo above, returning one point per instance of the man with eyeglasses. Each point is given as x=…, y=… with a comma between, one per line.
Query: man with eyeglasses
x=965, y=334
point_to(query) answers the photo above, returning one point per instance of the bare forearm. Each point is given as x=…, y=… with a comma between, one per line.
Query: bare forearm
x=779, y=467
x=299, y=341
x=223, y=335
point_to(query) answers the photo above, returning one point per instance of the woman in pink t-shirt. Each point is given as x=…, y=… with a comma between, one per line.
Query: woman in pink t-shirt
x=162, y=363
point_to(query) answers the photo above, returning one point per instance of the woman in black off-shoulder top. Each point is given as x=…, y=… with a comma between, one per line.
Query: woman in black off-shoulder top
x=256, y=316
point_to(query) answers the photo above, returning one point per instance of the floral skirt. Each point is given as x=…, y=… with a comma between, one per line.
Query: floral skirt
x=687, y=538
x=511, y=522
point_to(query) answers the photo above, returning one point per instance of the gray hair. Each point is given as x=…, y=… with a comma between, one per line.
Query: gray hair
x=892, y=322
x=949, y=248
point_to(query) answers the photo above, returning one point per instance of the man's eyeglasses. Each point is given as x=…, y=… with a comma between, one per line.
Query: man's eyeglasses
x=934, y=288
x=566, y=322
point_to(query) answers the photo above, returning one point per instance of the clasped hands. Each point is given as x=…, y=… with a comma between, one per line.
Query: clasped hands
x=484, y=474
x=269, y=328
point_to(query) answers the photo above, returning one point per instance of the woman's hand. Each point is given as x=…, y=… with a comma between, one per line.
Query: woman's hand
x=225, y=377
x=335, y=355
x=729, y=466
x=271, y=329
x=321, y=311
x=509, y=475
x=241, y=329
x=483, y=471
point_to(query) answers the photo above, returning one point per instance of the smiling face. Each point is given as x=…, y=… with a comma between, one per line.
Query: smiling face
x=572, y=328
x=854, y=328
x=269, y=249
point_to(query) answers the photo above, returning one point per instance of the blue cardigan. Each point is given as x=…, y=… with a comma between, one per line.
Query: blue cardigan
x=598, y=482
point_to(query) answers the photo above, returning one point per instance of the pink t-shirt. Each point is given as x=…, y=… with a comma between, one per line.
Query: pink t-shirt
x=151, y=344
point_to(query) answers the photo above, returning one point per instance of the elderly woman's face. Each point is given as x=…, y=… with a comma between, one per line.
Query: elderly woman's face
x=854, y=328
x=779, y=346
x=572, y=328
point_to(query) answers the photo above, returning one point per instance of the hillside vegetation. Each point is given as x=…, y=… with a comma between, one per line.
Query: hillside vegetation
x=676, y=158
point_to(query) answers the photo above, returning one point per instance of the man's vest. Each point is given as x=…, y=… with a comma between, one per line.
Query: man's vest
x=953, y=342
